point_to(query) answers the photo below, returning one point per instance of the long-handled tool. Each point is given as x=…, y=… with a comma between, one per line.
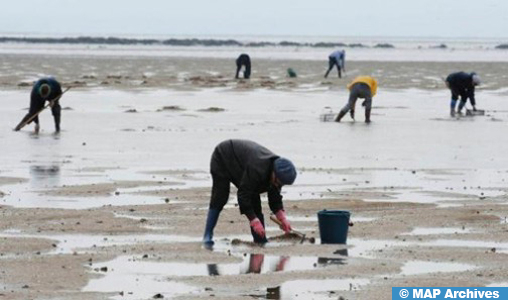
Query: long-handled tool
x=51, y=102
x=300, y=234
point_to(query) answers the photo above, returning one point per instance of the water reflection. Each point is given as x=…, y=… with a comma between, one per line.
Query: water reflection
x=44, y=176
x=262, y=264
x=313, y=288
x=123, y=271
x=273, y=293
x=342, y=252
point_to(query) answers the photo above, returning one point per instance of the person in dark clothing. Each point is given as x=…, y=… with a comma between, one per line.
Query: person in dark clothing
x=462, y=84
x=338, y=59
x=45, y=89
x=243, y=61
x=253, y=169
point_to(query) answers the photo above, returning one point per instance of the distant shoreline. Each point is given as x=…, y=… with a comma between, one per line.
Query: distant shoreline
x=181, y=42
x=190, y=42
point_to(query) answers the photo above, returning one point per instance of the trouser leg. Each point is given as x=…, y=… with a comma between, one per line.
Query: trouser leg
x=219, y=198
x=461, y=105
x=34, y=108
x=367, y=115
x=331, y=63
x=238, y=67
x=56, y=111
x=368, y=108
x=453, y=102
x=259, y=214
x=353, y=96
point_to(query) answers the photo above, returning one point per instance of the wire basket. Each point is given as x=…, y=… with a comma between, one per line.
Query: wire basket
x=327, y=117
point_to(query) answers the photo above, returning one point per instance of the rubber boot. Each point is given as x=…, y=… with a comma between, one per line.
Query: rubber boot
x=211, y=221
x=340, y=115
x=255, y=236
x=367, y=115
x=453, y=103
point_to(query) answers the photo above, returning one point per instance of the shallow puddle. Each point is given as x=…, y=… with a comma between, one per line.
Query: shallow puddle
x=498, y=247
x=133, y=285
x=312, y=289
x=438, y=230
x=143, y=277
x=251, y=263
x=426, y=267
x=498, y=284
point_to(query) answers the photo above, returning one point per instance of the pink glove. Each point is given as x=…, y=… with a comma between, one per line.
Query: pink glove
x=257, y=226
x=281, y=216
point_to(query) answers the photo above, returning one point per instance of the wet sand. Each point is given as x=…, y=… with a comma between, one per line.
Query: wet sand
x=114, y=206
x=194, y=73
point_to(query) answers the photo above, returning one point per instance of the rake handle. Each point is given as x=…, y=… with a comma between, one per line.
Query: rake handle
x=51, y=102
x=275, y=220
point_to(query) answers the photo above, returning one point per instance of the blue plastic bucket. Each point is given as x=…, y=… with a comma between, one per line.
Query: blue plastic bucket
x=333, y=226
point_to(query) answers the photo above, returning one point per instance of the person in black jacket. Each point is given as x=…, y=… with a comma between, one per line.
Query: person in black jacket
x=253, y=169
x=45, y=89
x=243, y=61
x=463, y=85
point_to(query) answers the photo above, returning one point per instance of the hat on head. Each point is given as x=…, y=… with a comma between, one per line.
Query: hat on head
x=44, y=90
x=476, y=79
x=284, y=170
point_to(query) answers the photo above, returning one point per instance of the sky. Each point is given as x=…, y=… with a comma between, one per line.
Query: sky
x=391, y=18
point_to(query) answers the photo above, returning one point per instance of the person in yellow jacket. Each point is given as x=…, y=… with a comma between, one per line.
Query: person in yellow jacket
x=364, y=87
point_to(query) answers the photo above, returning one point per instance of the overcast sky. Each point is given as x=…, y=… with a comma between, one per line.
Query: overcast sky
x=405, y=18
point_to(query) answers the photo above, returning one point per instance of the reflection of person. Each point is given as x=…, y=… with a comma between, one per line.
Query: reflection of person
x=213, y=270
x=463, y=85
x=364, y=87
x=253, y=169
x=45, y=89
x=256, y=263
x=338, y=59
x=281, y=265
x=243, y=61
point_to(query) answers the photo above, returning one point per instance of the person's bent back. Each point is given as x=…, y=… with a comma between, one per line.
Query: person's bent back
x=45, y=89
x=243, y=61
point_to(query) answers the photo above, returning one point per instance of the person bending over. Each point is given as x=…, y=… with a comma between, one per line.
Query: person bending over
x=254, y=170
x=45, y=89
x=462, y=84
x=338, y=59
x=364, y=87
x=243, y=61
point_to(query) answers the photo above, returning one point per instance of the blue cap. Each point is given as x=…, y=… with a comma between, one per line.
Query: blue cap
x=284, y=170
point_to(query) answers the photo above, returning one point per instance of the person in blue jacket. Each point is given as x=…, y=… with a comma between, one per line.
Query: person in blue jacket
x=253, y=169
x=45, y=89
x=338, y=59
x=462, y=84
